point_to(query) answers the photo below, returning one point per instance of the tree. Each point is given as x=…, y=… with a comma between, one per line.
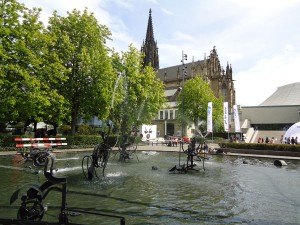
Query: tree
x=28, y=67
x=143, y=93
x=193, y=101
x=80, y=45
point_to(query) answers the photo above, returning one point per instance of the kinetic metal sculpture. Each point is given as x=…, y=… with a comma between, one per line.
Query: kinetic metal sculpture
x=39, y=149
x=99, y=158
x=200, y=152
x=127, y=145
x=32, y=209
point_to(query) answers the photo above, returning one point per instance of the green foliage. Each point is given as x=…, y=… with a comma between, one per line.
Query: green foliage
x=84, y=129
x=80, y=46
x=7, y=140
x=260, y=146
x=139, y=95
x=64, y=129
x=88, y=141
x=66, y=71
x=194, y=99
x=28, y=67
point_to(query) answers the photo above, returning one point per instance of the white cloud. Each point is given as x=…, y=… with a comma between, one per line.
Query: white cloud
x=232, y=56
x=255, y=85
x=167, y=12
x=179, y=36
x=267, y=5
x=62, y=7
x=289, y=47
x=126, y=4
x=259, y=38
x=153, y=2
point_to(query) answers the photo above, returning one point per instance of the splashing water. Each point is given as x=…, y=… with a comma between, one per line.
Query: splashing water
x=115, y=87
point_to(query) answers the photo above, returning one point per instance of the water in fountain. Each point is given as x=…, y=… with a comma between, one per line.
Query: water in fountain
x=115, y=88
x=227, y=192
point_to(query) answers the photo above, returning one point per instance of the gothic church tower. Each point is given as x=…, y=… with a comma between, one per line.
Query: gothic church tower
x=209, y=69
x=149, y=47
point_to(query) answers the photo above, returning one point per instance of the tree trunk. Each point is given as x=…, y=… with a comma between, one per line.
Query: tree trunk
x=74, y=118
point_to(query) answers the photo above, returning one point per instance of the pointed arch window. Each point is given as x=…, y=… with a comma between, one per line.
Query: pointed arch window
x=224, y=92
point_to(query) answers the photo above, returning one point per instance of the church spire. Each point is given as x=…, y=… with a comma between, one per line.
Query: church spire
x=149, y=47
x=150, y=33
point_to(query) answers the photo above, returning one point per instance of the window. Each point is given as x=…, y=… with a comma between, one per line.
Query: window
x=171, y=114
x=224, y=92
x=167, y=114
x=161, y=115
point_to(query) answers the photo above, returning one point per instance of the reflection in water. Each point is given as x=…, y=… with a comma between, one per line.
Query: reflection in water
x=228, y=192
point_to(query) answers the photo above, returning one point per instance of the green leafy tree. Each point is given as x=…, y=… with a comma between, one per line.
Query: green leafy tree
x=193, y=101
x=140, y=95
x=28, y=67
x=80, y=45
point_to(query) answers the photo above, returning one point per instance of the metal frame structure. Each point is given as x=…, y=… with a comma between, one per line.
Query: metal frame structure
x=32, y=209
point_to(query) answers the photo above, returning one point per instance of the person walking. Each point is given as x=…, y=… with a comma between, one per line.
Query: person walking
x=267, y=140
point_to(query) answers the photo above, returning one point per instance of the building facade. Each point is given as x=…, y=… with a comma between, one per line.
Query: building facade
x=278, y=112
x=209, y=68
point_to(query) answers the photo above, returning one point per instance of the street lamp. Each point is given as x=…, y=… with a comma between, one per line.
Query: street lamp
x=184, y=73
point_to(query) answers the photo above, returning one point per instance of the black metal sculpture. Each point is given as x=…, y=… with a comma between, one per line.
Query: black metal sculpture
x=37, y=157
x=32, y=203
x=39, y=149
x=193, y=153
x=99, y=158
x=32, y=209
x=127, y=145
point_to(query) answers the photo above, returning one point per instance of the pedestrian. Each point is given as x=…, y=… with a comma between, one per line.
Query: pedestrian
x=267, y=140
x=281, y=139
x=292, y=141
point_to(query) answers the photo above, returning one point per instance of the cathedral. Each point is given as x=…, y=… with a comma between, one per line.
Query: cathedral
x=209, y=68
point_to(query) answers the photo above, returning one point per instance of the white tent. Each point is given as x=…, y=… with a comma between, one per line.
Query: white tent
x=293, y=131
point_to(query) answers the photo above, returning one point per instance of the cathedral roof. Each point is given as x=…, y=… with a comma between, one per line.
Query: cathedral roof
x=175, y=72
x=284, y=95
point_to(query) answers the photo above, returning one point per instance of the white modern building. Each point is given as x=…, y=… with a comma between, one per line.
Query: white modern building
x=274, y=116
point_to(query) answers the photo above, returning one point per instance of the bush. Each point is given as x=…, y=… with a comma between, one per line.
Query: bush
x=64, y=129
x=82, y=141
x=86, y=141
x=84, y=129
x=257, y=146
x=7, y=140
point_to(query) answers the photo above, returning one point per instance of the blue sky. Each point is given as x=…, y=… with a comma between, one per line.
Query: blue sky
x=260, y=39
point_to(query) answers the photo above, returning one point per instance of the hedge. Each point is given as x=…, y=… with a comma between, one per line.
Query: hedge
x=7, y=141
x=261, y=146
